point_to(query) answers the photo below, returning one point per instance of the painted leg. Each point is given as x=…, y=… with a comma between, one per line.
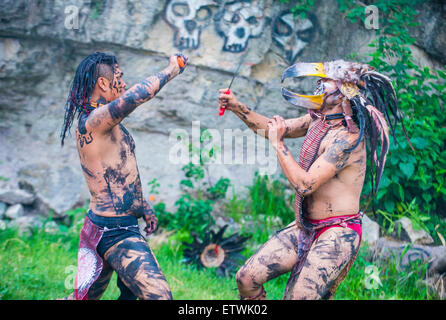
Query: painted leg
x=138, y=269
x=126, y=293
x=277, y=256
x=99, y=286
x=326, y=265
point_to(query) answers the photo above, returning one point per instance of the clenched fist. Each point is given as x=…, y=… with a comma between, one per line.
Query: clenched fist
x=277, y=128
x=228, y=100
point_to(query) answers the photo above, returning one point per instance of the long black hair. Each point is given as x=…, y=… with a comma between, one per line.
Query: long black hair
x=84, y=81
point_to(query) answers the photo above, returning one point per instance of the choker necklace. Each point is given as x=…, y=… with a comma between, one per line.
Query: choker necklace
x=90, y=106
x=334, y=116
x=95, y=104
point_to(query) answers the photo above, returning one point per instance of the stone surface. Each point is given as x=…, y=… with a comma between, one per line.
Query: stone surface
x=435, y=256
x=419, y=236
x=15, y=211
x=405, y=254
x=14, y=196
x=42, y=42
x=58, y=189
x=51, y=227
x=432, y=26
x=370, y=230
x=3, y=208
x=3, y=225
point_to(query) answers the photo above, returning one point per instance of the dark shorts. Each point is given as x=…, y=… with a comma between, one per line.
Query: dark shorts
x=115, y=230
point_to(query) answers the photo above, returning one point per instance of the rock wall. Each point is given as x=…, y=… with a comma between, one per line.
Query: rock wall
x=42, y=42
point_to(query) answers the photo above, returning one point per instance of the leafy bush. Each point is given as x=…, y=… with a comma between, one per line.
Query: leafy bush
x=421, y=93
x=194, y=207
x=430, y=223
x=193, y=214
x=269, y=197
x=193, y=211
x=267, y=208
x=236, y=207
x=219, y=190
x=388, y=219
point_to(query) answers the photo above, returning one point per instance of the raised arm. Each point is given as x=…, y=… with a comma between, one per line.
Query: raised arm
x=106, y=117
x=297, y=127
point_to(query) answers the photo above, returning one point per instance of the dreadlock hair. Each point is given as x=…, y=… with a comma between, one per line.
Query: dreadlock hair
x=96, y=65
x=377, y=97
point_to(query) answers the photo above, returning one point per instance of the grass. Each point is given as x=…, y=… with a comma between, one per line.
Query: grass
x=42, y=267
x=394, y=284
x=34, y=268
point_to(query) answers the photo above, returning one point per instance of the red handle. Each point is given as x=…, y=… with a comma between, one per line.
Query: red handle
x=222, y=110
x=180, y=62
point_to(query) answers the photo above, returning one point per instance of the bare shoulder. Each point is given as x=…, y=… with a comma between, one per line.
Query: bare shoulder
x=338, y=148
x=341, y=138
x=97, y=119
x=87, y=131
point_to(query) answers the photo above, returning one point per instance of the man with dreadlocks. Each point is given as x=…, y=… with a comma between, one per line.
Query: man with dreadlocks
x=110, y=238
x=351, y=102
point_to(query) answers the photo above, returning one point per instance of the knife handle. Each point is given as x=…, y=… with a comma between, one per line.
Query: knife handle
x=222, y=110
x=180, y=61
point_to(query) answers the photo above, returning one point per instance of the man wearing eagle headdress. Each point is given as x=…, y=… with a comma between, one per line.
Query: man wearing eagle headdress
x=352, y=105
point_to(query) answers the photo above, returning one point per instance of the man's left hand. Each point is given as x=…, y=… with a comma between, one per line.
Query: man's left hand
x=151, y=221
x=277, y=129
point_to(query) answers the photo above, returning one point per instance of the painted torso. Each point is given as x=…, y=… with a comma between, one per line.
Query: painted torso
x=341, y=194
x=110, y=170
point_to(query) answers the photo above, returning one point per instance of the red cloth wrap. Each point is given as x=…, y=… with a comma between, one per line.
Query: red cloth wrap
x=354, y=226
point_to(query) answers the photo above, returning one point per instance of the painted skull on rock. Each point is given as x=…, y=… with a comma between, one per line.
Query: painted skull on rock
x=239, y=21
x=188, y=18
x=292, y=34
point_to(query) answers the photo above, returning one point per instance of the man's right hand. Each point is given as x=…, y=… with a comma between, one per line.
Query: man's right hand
x=228, y=100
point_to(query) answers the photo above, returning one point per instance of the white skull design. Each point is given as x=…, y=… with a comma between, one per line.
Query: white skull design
x=239, y=22
x=292, y=34
x=188, y=18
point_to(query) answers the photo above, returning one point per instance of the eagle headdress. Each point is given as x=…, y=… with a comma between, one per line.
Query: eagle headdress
x=369, y=104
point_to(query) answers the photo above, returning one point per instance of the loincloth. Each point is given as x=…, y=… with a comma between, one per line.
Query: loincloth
x=98, y=234
x=307, y=237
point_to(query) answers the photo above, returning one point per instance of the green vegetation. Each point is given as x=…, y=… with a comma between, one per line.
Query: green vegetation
x=266, y=209
x=392, y=284
x=43, y=265
x=195, y=206
x=409, y=175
